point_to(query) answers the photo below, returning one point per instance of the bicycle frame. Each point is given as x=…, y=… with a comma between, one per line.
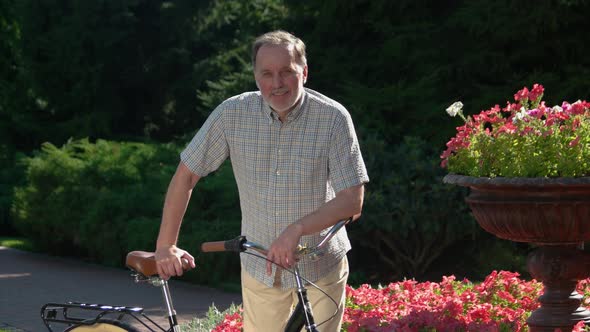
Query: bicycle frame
x=302, y=315
x=303, y=309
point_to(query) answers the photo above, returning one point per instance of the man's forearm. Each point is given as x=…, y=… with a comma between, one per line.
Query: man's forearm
x=347, y=203
x=175, y=204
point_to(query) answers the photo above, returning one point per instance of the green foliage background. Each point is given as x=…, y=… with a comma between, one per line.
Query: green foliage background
x=99, y=96
x=101, y=200
x=83, y=197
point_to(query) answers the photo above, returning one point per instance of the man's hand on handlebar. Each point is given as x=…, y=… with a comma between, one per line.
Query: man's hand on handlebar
x=282, y=250
x=172, y=261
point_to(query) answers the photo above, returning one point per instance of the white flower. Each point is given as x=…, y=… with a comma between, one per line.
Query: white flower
x=556, y=109
x=456, y=108
x=520, y=115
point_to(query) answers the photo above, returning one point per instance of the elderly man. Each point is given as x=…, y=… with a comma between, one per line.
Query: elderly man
x=299, y=170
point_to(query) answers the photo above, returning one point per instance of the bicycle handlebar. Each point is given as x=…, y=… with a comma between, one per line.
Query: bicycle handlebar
x=229, y=245
x=240, y=243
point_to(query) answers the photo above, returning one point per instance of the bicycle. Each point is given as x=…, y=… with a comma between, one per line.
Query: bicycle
x=302, y=315
x=87, y=317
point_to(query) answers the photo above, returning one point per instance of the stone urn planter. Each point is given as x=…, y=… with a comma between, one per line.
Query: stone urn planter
x=552, y=213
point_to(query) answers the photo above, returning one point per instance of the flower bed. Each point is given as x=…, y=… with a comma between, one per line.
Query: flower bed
x=502, y=302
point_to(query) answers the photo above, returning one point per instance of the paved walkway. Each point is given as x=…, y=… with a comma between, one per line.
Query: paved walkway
x=28, y=281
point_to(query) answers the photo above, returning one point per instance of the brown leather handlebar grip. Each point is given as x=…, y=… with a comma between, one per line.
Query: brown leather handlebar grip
x=213, y=246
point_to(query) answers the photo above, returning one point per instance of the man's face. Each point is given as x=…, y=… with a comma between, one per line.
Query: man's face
x=279, y=77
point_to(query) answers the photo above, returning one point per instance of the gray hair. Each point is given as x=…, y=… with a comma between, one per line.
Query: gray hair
x=280, y=37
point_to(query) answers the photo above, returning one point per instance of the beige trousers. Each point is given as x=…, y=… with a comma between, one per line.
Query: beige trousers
x=267, y=309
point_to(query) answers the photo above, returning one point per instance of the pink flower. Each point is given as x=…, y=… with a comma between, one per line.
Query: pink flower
x=231, y=323
x=578, y=108
x=536, y=113
x=522, y=94
x=536, y=92
x=508, y=128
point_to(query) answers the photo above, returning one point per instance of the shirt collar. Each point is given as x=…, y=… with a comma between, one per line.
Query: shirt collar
x=292, y=116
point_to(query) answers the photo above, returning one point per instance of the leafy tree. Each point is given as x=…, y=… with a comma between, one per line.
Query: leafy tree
x=230, y=27
x=131, y=68
x=398, y=64
x=110, y=68
x=16, y=101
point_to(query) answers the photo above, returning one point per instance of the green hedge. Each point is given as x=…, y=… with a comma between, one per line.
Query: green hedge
x=97, y=200
x=101, y=200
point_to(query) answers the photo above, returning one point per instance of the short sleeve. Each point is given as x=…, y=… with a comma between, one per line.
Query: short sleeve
x=208, y=149
x=346, y=165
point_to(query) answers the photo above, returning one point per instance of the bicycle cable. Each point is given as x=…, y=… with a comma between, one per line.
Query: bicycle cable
x=305, y=280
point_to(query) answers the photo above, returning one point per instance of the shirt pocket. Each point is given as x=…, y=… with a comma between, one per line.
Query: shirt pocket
x=307, y=169
x=307, y=180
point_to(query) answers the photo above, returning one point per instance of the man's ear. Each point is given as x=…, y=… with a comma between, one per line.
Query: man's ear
x=305, y=74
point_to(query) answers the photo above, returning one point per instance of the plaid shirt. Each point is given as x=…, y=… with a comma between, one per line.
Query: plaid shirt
x=284, y=171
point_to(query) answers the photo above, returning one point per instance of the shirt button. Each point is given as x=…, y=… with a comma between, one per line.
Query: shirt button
x=278, y=173
x=276, y=214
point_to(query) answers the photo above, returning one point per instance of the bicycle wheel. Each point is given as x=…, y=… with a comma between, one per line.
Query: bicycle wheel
x=103, y=325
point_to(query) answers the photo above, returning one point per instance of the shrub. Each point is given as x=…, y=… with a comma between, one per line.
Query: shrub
x=101, y=200
x=92, y=199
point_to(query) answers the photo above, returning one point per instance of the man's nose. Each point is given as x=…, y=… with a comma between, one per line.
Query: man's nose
x=277, y=81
